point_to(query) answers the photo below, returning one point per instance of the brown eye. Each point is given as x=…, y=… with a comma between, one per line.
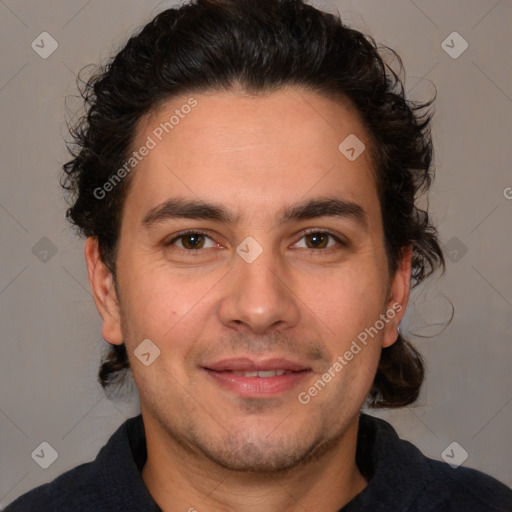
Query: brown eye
x=317, y=240
x=195, y=241
x=191, y=241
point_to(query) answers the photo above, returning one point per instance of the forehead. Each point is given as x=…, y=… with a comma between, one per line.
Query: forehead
x=252, y=152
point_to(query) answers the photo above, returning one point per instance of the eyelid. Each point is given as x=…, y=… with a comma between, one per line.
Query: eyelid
x=338, y=238
x=186, y=232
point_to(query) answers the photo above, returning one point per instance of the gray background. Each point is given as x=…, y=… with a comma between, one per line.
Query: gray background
x=51, y=331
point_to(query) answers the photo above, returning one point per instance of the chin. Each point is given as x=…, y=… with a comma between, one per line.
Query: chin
x=264, y=456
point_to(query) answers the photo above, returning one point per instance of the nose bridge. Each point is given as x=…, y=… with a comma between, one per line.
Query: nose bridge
x=260, y=277
x=258, y=296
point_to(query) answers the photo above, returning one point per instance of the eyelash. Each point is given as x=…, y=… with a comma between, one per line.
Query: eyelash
x=310, y=231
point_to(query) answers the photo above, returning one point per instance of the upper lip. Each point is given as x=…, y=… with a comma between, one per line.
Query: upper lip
x=247, y=364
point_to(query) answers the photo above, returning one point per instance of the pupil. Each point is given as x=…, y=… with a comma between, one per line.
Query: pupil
x=318, y=239
x=192, y=241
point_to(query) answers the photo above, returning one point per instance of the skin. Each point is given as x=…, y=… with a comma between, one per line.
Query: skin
x=209, y=449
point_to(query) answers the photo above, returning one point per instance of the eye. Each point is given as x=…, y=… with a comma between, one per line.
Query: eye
x=191, y=241
x=319, y=240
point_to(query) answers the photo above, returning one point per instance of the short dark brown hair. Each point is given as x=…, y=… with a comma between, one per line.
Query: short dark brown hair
x=209, y=45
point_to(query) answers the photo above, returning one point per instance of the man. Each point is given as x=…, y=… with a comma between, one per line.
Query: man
x=246, y=178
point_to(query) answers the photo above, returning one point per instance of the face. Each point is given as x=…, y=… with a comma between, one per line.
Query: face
x=252, y=255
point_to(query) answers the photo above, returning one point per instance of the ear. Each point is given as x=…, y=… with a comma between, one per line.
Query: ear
x=398, y=296
x=101, y=282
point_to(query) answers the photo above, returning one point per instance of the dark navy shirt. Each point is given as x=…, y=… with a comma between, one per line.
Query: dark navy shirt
x=400, y=478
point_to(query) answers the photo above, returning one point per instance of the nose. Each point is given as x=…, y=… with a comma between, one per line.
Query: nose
x=258, y=297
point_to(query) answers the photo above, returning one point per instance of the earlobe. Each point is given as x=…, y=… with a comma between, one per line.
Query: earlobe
x=102, y=286
x=398, y=296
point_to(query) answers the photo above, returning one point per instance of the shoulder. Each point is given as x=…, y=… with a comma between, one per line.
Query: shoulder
x=401, y=474
x=72, y=488
x=465, y=488
x=110, y=482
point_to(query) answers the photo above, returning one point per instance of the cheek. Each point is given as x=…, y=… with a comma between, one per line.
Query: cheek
x=353, y=296
x=172, y=320
x=169, y=309
x=158, y=310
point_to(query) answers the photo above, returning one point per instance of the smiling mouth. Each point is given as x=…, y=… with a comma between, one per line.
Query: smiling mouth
x=262, y=373
x=257, y=383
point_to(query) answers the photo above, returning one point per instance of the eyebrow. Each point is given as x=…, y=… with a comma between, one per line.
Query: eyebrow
x=176, y=208
x=326, y=207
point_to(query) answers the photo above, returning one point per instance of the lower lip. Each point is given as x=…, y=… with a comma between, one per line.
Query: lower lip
x=253, y=387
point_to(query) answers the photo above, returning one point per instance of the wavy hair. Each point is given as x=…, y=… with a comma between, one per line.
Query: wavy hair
x=213, y=45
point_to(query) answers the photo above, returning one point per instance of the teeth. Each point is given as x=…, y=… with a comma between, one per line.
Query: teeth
x=266, y=373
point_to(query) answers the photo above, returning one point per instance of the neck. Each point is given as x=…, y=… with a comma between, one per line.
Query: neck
x=183, y=480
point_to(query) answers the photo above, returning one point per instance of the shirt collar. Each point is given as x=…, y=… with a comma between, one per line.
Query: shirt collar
x=120, y=463
x=395, y=469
